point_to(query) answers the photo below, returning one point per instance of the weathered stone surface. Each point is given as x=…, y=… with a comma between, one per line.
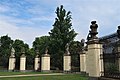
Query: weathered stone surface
x=45, y=65
x=67, y=63
x=22, y=62
x=37, y=63
x=83, y=62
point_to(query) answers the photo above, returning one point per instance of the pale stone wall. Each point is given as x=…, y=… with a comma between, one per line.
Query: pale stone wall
x=87, y=61
x=94, y=64
x=11, y=63
x=37, y=63
x=83, y=62
x=22, y=63
x=45, y=66
x=67, y=63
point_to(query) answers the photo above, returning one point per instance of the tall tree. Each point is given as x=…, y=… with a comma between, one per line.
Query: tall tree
x=61, y=34
x=5, y=48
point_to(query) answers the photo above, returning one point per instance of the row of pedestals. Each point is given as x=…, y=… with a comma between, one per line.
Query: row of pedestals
x=45, y=63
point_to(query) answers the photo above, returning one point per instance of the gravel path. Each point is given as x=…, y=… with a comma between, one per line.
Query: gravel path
x=32, y=75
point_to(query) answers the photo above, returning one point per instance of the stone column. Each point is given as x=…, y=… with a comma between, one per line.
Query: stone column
x=83, y=62
x=12, y=60
x=12, y=63
x=67, y=63
x=87, y=67
x=95, y=65
x=45, y=65
x=23, y=62
x=37, y=63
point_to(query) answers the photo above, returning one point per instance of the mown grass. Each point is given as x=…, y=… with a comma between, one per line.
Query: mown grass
x=20, y=73
x=55, y=77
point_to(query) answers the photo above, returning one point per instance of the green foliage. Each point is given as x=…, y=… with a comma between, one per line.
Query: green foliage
x=5, y=48
x=75, y=48
x=111, y=67
x=41, y=43
x=21, y=47
x=61, y=34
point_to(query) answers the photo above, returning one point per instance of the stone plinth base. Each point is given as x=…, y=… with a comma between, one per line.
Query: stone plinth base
x=37, y=63
x=67, y=63
x=11, y=63
x=94, y=62
x=45, y=65
x=82, y=62
x=22, y=63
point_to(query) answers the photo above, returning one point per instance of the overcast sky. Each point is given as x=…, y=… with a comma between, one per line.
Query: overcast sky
x=27, y=19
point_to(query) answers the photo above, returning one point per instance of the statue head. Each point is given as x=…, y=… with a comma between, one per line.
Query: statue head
x=82, y=42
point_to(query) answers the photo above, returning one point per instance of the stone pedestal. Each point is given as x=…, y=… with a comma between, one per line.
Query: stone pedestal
x=37, y=63
x=23, y=62
x=11, y=63
x=87, y=67
x=82, y=62
x=45, y=65
x=67, y=62
x=95, y=65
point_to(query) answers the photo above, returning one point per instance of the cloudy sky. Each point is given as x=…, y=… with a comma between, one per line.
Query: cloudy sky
x=27, y=19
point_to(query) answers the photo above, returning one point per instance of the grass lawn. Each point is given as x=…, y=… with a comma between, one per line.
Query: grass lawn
x=20, y=73
x=55, y=77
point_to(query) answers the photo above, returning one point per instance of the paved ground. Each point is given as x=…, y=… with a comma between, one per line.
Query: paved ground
x=31, y=75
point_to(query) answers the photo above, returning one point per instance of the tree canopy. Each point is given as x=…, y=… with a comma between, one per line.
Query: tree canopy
x=61, y=34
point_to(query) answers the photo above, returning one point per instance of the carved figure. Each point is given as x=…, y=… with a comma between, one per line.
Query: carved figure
x=12, y=51
x=67, y=48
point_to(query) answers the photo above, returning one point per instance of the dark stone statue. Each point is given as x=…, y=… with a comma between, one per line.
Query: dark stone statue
x=118, y=32
x=93, y=32
x=83, y=44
